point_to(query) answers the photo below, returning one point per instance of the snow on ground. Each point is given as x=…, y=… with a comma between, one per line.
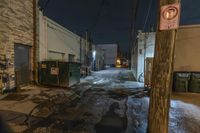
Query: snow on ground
x=183, y=117
x=127, y=84
x=137, y=115
x=111, y=79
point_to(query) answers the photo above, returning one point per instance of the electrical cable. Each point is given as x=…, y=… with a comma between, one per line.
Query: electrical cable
x=133, y=24
x=98, y=15
x=45, y=5
x=132, y=18
x=148, y=14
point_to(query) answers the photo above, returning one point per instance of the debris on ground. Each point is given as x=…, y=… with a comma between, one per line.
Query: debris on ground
x=101, y=103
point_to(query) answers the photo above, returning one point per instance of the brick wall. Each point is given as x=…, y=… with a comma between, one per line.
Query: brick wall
x=16, y=26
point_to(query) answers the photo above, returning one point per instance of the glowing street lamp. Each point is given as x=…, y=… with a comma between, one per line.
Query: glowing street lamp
x=94, y=54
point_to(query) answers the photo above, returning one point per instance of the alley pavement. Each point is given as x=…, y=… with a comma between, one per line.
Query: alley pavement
x=31, y=103
x=109, y=101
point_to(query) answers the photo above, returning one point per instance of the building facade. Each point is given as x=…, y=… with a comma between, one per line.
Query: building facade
x=85, y=55
x=16, y=42
x=99, y=59
x=144, y=48
x=56, y=42
x=111, y=53
x=187, y=50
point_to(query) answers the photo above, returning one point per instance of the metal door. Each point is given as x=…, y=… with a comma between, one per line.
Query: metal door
x=22, y=63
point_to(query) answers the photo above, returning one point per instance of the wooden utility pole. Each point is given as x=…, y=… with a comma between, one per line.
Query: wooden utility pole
x=161, y=77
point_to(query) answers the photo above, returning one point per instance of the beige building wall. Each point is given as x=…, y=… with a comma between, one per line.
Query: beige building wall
x=187, y=49
x=16, y=26
x=43, y=52
x=56, y=42
x=143, y=49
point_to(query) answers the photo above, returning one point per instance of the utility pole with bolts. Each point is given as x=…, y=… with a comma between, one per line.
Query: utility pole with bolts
x=162, y=71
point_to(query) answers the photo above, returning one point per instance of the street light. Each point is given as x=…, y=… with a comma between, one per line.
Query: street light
x=94, y=58
x=94, y=54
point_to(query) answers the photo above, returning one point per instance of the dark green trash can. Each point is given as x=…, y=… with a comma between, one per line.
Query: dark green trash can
x=194, y=84
x=181, y=82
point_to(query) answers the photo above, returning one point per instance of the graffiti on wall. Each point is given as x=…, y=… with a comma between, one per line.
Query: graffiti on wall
x=6, y=79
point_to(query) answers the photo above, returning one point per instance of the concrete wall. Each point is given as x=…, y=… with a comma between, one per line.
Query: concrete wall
x=187, y=49
x=16, y=26
x=56, y=42
x=85, y=52
x=99, y=60
x=111, y=51
x=43, y=45
x=144, y=48
x=85, y=56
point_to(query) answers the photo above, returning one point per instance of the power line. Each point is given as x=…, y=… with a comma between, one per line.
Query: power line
x=98, y=14
x=133, y=21
x=45, y=5
x=148, y=15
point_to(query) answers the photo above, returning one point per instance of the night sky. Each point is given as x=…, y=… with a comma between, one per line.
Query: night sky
x=109, y=21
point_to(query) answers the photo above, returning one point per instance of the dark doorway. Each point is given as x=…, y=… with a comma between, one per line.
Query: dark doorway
x=22, y=63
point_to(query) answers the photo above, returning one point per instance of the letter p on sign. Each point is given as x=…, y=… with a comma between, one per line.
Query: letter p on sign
x=169, y=17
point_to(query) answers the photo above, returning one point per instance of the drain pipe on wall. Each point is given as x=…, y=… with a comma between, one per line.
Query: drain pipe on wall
x=35, y=40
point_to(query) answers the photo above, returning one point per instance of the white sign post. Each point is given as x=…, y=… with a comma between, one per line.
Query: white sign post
x=169, y=17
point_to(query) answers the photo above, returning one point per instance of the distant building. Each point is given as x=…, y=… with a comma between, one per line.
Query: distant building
x=85, y=55
x=111, y=53
x=98, y=56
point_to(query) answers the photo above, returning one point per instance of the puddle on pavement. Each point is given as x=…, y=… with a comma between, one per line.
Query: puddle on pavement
x=78, y=118
x=111, y=122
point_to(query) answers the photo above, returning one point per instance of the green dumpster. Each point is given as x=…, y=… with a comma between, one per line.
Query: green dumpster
x=194, y=84
x=57, y=73
x=47, y=74
x=181, y=82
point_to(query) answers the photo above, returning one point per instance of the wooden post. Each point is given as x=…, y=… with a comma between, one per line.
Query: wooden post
x=161, y=78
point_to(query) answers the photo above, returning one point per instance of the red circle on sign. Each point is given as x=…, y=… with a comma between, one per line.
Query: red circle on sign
x=170, y=13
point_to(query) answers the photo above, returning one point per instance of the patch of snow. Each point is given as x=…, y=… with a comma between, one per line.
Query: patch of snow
x=89, y=78
x=183, y=117
x=137, y=115
x=126, y=84
x=110, y=79
x=186, y=108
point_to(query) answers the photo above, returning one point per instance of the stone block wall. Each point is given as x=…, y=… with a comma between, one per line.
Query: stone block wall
x=16, y=26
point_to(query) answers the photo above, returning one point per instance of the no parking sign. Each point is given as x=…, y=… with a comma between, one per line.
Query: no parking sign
x=169, y=16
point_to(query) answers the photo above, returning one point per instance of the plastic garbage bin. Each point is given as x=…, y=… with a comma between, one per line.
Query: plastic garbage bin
x=181, y=82
x=194, y=84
